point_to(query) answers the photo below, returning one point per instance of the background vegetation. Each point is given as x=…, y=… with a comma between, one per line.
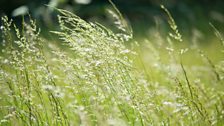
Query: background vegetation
x=191, y=16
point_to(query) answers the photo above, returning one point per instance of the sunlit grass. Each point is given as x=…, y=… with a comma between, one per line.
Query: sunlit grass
x=91, y=78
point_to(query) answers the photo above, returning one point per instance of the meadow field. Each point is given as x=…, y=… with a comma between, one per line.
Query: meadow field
x=91, y=75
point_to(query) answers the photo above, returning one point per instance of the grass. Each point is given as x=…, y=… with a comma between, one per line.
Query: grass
x=93, y=78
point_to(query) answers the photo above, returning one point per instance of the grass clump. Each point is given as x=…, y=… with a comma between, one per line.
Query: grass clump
x=92, y=78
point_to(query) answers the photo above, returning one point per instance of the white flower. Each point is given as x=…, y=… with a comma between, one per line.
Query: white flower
x=167, y=103
x=2, y=27
x=48, y=87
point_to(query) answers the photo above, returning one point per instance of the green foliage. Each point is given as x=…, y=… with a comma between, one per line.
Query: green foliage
x=92, y=78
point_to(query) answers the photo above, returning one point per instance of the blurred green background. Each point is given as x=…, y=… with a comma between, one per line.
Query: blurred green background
x=145, y=16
